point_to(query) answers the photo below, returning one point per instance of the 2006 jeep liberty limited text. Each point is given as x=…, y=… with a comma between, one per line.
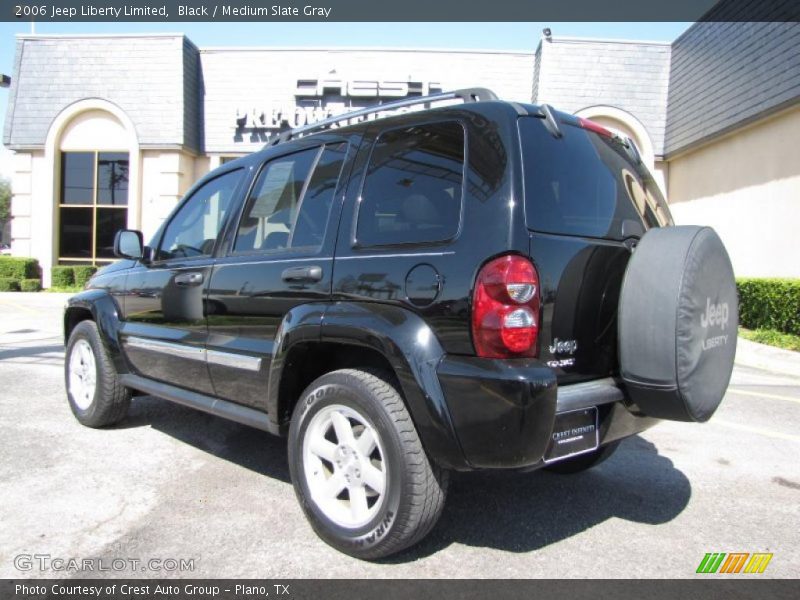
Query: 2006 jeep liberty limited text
x=479, y=285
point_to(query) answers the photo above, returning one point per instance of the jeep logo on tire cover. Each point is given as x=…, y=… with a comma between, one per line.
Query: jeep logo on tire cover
x=716, y=314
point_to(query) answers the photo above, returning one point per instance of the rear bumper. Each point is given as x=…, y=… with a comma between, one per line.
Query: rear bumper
x=502, y=411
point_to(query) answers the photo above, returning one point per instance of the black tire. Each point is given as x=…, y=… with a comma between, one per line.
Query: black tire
x=578, y=464
x=110, y=402
x=415, y=489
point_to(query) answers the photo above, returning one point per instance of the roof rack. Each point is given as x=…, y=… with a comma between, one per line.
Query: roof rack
x=467, y=95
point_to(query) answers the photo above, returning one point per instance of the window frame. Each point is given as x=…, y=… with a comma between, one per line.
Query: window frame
x=180, y=206
x=93, y=258
x=355, y=244
x=302, y=251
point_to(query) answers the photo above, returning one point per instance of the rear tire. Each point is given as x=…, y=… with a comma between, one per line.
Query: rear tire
x=581, y=463
x=95, y=395
x=358, y=467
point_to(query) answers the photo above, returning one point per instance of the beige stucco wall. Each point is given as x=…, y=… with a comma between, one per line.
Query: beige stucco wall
x=747, y=186
x=32, y=224
x=660, y=173
x=22, y=185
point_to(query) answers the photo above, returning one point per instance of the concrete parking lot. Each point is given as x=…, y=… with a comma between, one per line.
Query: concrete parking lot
x=173, y=483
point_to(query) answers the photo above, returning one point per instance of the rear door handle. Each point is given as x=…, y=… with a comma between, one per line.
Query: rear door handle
x=302, y=274
x=189, y=279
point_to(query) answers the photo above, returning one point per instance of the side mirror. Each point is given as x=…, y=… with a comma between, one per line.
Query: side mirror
x=129, y=243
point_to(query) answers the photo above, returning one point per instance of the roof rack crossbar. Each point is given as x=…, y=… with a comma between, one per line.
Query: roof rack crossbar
x=467, y=95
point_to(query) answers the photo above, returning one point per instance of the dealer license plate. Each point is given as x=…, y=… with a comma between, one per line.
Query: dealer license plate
x=574, y=432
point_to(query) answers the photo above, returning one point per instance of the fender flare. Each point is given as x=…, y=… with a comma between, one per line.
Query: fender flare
x=302, y=323
x=105, y=313
x=407, y=343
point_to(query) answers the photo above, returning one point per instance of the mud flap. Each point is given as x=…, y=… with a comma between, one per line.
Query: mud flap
x=678, y=320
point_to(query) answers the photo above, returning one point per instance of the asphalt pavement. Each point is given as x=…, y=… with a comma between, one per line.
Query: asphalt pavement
x=179, y=493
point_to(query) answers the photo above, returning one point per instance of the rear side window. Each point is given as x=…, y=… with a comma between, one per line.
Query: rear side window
x=413, y=186
x=583, y=184
x=291, y=201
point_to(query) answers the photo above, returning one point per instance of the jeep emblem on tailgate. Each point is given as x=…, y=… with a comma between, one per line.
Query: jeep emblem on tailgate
x=563, y=346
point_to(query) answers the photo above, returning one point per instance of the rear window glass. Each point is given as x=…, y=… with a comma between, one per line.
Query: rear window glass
x=583, y=184
x=413, y=186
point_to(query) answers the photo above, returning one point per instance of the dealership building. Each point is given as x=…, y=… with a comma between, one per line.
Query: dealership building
x=109, y=131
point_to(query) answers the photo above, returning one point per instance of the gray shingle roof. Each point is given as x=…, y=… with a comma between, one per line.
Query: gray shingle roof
x=153, y=79
x=726, y=74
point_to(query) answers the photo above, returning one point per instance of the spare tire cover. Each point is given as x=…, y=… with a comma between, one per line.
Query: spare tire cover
x=678, y=320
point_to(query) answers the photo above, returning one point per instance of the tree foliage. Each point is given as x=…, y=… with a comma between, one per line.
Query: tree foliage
x=5, y=200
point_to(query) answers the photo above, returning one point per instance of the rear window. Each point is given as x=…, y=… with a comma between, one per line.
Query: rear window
x=584, y=184
x=413, y=186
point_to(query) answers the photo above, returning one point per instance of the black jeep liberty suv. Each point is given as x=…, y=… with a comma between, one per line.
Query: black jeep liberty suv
x=479, y=285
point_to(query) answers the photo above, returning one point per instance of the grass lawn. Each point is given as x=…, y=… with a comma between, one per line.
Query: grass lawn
x=787, y=341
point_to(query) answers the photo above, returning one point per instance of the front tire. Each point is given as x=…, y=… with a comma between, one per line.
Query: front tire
x=96, y=397
x=358, y=466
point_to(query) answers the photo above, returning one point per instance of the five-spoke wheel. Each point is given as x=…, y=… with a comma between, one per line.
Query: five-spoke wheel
x=82, y=377
x=95, y=395
x=358, y=466
x=344, y=465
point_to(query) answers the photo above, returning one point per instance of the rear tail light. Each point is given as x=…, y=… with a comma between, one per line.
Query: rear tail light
x=596, y=127
x=505, y=308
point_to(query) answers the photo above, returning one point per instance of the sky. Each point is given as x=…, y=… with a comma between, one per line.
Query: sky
x=499, y=36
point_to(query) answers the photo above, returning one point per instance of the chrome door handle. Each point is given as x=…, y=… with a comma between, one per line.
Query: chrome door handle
x=302, y=274
x=189, y=279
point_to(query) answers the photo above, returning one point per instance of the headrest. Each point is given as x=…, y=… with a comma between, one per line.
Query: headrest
x=419, y=209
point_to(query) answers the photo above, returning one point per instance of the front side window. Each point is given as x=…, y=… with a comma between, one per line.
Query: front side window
x=193, y=230
x=93, y=205
x=413, y=186
x=291, y=201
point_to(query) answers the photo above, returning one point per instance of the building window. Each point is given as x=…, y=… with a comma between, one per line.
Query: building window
x=93, y=205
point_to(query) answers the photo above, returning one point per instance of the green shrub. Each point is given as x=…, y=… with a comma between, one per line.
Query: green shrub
x=19, y=268
x=63, y=276
x=9, y=284
x=770, y=304
x=30, y=285
x=83, y=273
